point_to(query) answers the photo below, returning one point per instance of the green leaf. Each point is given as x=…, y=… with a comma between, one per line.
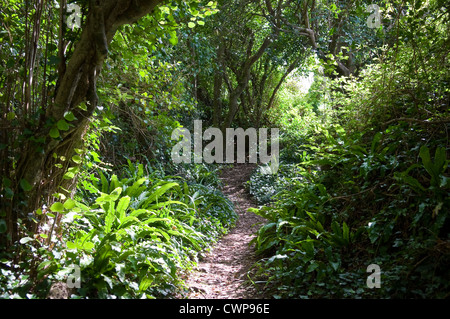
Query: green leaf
x=54, y=132
x=191, y=24
x=69, y=203
x=115, y=194
x=375, y=141
x=69, y=175
x=71, y=245
x=133, y=190
x=88, y=245
x=142, y=73
x=57, y=207
x=168, y=203
x=424, y=154
x=53, y=60
x=25, y=240
x=346, y=233
x=439, y=160
x=43, y=269
x=9, y=193
x=77, y=159
x=444, y=181
x=308, y=247
x=336, y=228
x=62, y=125
x=25, y=185
x=113, y=183
x=110, y=217
x=138, y=213
x=156, y=220
x=83, y=106
x=3, y=226
x=128, y=221
x=173, y=39
x=374, y=233
x=95, y=156
x=146, y=281
x=160, y=191
x=322, y=189
x=69, y=116
x=105, y=184
x=44, y=264
x=411, y=181
x=10, y=116
x=335, y=264
x=140, y=172
x=6, y=182
x=313, y=266
x=104, y=254
x=122, y=207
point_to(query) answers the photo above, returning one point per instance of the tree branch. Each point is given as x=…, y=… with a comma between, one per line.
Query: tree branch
x=424, y=122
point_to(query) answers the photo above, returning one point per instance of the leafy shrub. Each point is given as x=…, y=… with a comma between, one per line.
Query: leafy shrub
x=132, y=237
x=374, y=185
x=357, y=202
x=205, y=174
x=263, y=186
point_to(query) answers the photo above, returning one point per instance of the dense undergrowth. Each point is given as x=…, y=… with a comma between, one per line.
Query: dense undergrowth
x=367, y=184
x=329, y=225
x=363, y=176
x=131, y=237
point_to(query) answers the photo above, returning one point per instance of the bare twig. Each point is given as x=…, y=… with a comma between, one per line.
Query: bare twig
x=424, y=122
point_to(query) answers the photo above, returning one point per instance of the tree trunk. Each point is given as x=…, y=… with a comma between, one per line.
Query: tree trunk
x=243, y=77
x=77, y=85
x=275, y=91
x=218, y=81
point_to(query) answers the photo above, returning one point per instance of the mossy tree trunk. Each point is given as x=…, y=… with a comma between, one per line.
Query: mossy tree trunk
x=35, y=177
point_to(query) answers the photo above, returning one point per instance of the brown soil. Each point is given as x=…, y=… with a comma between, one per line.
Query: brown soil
x=223, y=272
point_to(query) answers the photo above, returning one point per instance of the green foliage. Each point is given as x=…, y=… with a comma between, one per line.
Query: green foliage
x=371, y=184
x=329, y=224
x=132, y=237
x=205, y=174
x=264, y=186
x=363, y=174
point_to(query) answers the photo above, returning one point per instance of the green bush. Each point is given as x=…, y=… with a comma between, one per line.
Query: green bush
x=263, y=186
x=132, y=237
x=356, y=202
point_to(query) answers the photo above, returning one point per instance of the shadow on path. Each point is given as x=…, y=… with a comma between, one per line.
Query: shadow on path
x=222, y=273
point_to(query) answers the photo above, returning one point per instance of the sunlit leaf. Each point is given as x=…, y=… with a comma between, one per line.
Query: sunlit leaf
x=54, y=132
x=62, y=125
x=57, y=207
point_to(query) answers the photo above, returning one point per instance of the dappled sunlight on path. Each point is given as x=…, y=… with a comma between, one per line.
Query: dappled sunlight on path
x=222, y=273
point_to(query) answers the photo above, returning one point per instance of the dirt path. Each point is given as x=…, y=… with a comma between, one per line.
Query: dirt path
x=222, y=274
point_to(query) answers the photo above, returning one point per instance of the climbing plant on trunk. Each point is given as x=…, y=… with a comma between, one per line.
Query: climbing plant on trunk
x=49, y=131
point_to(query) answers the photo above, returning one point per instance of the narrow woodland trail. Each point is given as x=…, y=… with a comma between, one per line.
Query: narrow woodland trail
x=222, y=273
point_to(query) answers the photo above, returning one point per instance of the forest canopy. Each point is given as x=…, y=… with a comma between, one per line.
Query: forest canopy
x=92, y=91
